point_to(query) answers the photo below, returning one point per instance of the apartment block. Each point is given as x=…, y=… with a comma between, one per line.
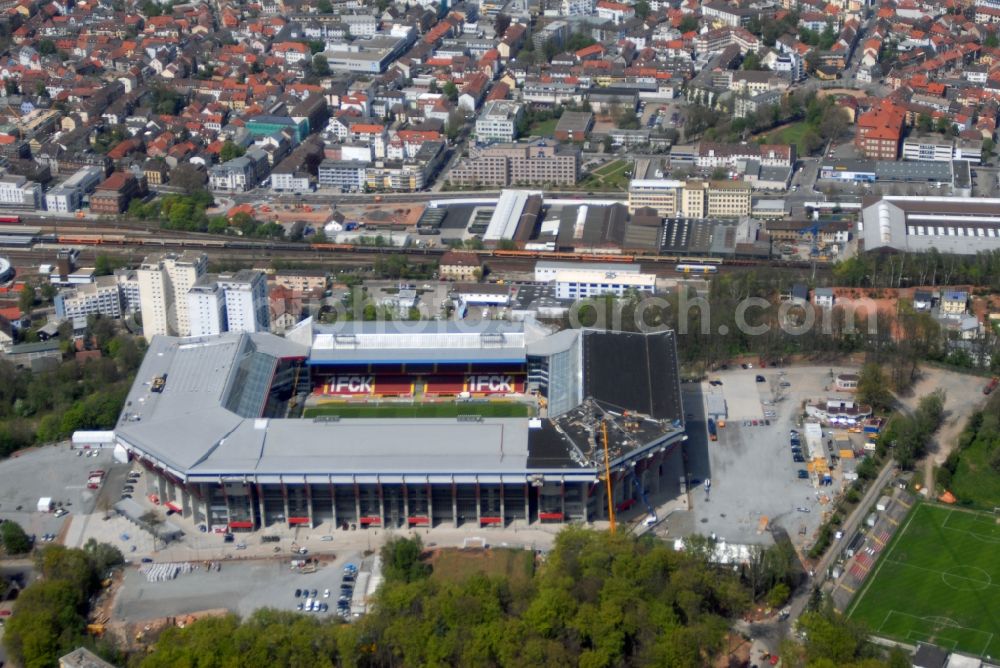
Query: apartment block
x=206, y=305
x=164, y=281
x=102, y=297
x=498, y=121
x=245, y=301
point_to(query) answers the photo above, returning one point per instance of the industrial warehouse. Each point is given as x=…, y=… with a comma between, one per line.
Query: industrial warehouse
x=390, y=424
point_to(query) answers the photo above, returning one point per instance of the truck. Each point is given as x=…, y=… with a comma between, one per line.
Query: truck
x=45, y=504
x=992, y=385
x=94, y=479
x=713, y=433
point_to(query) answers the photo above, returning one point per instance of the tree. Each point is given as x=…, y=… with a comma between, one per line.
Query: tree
x=641, y=9
x=46, y=47
x=991, y=41
x=924, y=123
x=320, y=65
x=401, y=560
x=11, y=86
x=188, y=177
x=751, y=61
x=49, y=292
x=324, y=7
x=450, y=90
x=105, y=265
x=230, y=150
x=688, y=24
x=943, y=124
x=873, y=387
x=26, y=300
x=13, y=538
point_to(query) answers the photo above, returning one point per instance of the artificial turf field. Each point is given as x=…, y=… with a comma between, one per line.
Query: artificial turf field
x=938, y=582
x=419, y=410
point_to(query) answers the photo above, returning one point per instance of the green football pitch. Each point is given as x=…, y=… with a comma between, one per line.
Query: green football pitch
x=938, y=582
x=428, y=410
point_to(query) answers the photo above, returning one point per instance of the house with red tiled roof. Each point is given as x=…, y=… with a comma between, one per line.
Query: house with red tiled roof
x=879, y=131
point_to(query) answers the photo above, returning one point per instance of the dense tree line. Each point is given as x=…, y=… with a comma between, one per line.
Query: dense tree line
x=45, y=406
x=900, y=270
x=597, y=600
x=50, y=615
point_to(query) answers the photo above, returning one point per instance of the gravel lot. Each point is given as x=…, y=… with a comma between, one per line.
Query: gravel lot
x=751, y=468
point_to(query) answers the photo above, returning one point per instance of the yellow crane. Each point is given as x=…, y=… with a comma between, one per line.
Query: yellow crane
x=607, y=475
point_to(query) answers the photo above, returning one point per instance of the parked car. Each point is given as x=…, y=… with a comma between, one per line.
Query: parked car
x=761, y=379
x=803, y=474
x=798, y=459
x=298, y=592
x=326, y=593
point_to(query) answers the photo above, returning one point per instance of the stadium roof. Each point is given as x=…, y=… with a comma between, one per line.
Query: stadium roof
x=205, y=424
x=391, y=342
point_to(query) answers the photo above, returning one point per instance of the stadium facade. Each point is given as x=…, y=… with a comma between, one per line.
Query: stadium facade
x=215, y=421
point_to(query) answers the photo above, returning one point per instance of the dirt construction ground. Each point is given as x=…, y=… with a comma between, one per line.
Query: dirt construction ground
x=963, y=396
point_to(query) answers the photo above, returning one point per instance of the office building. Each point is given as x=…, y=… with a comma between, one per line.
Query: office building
x=518, y=164
x=575, y=280
x=164, y=281
x=691, y=199
x=498, y=121
x=17, y=192
x=939, y=148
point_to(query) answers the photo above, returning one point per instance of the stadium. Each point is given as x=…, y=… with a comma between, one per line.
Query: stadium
x=404, y=424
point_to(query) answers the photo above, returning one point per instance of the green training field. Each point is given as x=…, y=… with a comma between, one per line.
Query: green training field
x=430, y=410
x=938, y=582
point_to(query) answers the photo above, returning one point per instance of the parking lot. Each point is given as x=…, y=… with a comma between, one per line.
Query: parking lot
x=240, y=586
x=754, y=480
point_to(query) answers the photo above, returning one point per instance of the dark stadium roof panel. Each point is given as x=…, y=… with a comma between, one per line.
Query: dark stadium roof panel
x=635, y=372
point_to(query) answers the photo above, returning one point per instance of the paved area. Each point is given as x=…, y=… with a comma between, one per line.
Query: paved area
x=240, y=586
x=54, y=471
x=742, y=396
x=750, y=467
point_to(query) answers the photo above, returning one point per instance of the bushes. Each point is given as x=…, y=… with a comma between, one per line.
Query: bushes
x=13, y=538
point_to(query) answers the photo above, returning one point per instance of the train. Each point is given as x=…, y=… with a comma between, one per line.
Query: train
x=696, y=269
x=7, y=219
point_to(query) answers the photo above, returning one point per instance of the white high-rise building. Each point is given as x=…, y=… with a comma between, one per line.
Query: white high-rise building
x=228, y=303
x=164, y=281
x=206, y=305
x=246, y=301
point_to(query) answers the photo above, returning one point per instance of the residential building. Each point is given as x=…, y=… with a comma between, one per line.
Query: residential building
x=735, y=17
x=164, y=281
x=348, y=175
x=245, y=301
x=954, y=302
x=239, y=174
x=102, y=297
x=113, y=195
x=576, y=7
x=463, y=267
x=498, y=121
x=614, y=11
x=206, y=308
x=17, y=192
x=128, y=285
x=518, y=164
x=300, y=280
x=823, y=297
x=592, y=279
x=713, y=154
x=879, y=132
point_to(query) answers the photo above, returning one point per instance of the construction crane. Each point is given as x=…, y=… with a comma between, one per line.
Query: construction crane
x=607, y=475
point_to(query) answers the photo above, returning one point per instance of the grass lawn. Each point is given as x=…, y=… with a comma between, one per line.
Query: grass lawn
x=609, y=177
x=975, y=481
x=938, y=581
x=790, y=134
x=544, y=128
x=429, y=410
x=454, y=564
